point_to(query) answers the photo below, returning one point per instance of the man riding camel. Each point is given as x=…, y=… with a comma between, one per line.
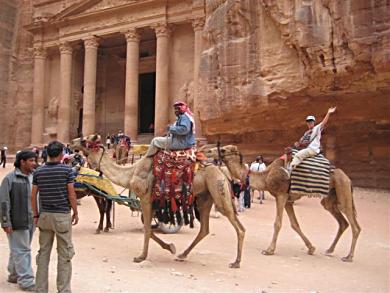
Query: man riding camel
x=311, y=140
x=181, y=134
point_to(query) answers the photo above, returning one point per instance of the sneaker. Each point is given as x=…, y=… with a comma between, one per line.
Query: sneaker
x=29, y=288
x=12, y=280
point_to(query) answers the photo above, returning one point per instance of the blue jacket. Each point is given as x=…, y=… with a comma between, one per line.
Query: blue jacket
x=182, y=133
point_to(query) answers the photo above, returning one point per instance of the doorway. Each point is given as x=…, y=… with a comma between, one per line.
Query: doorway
x=147, y=91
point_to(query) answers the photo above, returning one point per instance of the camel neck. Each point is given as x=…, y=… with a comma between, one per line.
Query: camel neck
x=238, y=170
x=119, y=175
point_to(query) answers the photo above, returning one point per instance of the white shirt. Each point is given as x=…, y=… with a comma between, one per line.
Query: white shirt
x=315, y=138
x=257, y=167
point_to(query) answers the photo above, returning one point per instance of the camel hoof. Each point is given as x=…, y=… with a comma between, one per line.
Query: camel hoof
x=181, y=257
x=97, y=231
x=347, y=259
x=234, y=265
x=138, y=259
x=329, y=251
x=311, y=250
x=106, y=229
x=172, y=248
x=267, y=252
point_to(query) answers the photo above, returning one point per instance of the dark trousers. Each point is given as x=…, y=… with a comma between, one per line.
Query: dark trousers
x=247, y=198
x=3, y=161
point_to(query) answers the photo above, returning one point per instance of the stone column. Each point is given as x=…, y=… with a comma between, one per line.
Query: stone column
x=197, y=24
x=90, y=64
x=38, y=114
x=161, y=116
x=132, y=76
x=63, y=123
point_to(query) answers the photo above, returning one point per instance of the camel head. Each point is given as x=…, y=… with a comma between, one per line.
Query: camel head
x=87, y=144
x=224, y=152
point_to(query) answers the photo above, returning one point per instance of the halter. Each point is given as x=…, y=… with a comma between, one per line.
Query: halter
x=234, y=153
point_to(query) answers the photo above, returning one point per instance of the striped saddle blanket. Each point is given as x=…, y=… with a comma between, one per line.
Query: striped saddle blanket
x=311, y=177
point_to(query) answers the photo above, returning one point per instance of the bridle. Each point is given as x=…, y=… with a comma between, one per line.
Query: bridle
x=232, y=153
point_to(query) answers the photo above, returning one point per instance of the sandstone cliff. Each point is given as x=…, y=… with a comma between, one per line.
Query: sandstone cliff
x=267, y=64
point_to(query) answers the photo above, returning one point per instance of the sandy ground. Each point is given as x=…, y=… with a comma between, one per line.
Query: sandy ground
x=103, y=263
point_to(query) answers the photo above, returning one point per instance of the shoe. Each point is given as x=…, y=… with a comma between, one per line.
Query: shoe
x=12, y=280
x=29, y=288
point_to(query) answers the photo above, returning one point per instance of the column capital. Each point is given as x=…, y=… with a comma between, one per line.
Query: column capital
x=91, y=42
x=132, y=35
x=65, y=48
x=39, y=52
x=162, y=30
x=198, y=23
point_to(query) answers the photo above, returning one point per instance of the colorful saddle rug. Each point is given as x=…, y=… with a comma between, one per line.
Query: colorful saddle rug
x=92, y=177
x=172, y=193
x=311, y=177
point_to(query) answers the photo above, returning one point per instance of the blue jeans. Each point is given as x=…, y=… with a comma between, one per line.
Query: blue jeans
x=19, y=264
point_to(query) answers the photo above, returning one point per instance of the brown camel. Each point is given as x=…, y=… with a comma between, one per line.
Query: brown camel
x=121, y=152
x=104, y=206
x=210, y=185
x=275, y=179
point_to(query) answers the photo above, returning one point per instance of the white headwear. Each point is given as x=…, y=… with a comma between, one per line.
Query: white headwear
x=310, y=118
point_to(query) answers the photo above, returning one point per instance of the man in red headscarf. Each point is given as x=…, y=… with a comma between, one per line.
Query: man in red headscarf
x=181, y=134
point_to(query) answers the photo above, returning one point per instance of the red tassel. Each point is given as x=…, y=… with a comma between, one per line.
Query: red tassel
x=173, y=205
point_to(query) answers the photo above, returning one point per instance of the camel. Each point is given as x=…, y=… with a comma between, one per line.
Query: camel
x=121, y=152
x=210, y=186
x=275, y=179
x=104, y=206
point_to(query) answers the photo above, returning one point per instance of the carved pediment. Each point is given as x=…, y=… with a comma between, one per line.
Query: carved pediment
x=88, y=6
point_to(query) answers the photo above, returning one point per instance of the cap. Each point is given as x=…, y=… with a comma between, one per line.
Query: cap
x=310, y=118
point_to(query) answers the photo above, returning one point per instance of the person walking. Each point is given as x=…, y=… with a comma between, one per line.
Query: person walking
x=54, y=182
x=17, y=219
x=3, y=156
x=258, y=166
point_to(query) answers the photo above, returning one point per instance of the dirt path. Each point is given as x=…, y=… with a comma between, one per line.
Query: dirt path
x=103, y=263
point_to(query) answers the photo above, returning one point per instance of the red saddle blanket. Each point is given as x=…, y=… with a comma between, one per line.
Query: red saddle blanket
x=172, y=193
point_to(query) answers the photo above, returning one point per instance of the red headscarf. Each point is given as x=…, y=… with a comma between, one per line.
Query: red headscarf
x=184, y=109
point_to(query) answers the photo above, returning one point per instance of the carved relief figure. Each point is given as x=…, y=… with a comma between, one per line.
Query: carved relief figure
x=237, y=20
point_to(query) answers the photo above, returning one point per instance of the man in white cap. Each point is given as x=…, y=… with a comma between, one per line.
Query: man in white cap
x=311, y=140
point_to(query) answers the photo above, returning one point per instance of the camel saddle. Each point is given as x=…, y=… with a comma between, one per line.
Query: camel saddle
x=172, y=194
x=311, y=177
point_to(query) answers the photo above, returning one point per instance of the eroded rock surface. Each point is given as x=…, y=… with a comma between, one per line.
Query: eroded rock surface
x=268, y=64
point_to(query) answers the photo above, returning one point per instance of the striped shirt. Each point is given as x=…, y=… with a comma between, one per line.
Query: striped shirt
x=52, y=180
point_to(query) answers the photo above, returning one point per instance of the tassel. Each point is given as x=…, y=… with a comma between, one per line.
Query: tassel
x=173, y=205
x=178, y=217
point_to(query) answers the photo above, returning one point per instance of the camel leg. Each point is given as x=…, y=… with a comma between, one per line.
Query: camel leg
x=147, y=214
x=204, y=204
x=240, y=230
x=280, y=203
x=351, y=216
x=107, y=210
x=101, y=212
x=343, y=224
x=170, y=247
x=346, y=205
x=294, y=224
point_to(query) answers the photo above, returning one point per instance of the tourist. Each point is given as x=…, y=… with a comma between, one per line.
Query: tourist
x=108, y=141
x=54, y=182
x=181, y=134
x=258, y=166
x=311, y=140
x=78, y=159
x=17, y=219
x=3, y=156
x=44, y=154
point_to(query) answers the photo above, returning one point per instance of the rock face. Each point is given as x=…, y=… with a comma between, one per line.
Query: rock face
x=267, y=64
